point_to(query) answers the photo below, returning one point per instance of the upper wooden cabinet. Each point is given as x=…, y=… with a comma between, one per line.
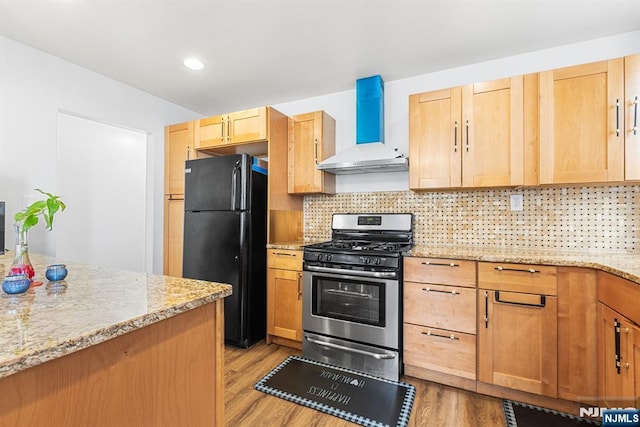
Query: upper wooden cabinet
x=179, y=146
x=312, y=139
x=471, y=136
x=226, y=130
x=581, y=123
x=632, y=127
x=434, y=139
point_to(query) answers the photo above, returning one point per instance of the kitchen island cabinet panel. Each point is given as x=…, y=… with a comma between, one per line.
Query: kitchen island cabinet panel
x=111, y=348
x=169, y=373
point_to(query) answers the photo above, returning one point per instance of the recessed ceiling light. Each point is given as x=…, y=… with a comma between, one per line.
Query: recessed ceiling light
x=193, y=64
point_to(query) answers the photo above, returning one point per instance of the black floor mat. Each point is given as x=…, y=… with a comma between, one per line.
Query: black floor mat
x=350, y=395
x=522, y=415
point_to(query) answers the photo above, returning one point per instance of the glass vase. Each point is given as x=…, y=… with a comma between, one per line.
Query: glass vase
x=22, y=263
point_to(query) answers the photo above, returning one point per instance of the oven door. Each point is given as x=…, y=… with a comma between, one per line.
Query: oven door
x=352, y=307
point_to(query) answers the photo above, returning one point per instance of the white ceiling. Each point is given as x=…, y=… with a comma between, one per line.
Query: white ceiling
x=262, y=52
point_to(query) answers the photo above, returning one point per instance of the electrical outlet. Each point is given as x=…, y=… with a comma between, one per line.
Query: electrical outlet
x=517, y=203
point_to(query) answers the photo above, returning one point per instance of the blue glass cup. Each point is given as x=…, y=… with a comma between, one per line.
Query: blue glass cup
x=56, y=272
x=16, y=284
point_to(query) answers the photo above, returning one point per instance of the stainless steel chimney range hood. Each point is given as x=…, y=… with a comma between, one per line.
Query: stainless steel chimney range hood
x=369, y=154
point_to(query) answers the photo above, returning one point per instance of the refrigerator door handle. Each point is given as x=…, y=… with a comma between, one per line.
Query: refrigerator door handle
x=234, y=185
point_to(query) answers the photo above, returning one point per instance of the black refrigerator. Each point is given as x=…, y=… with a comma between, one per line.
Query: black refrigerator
x=225, y=230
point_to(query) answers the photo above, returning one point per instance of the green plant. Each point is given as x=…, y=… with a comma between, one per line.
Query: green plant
x=48, y=207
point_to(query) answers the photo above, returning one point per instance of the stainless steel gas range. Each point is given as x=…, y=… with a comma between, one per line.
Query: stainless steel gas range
x=352, y=306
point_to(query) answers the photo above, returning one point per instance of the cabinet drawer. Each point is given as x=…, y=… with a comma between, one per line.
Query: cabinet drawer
x=284, y=259
x=619, y=294
x=440, y=350
x=535, y=279
x=447, y=307
x=440, y=271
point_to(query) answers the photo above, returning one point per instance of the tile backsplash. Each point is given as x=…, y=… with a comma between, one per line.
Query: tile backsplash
x=593, y=218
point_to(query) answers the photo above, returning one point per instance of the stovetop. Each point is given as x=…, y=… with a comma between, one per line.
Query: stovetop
x=360, y=246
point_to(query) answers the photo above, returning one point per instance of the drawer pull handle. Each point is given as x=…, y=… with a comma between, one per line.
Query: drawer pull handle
x=449, y=337
x=284, y=254
x=441, y=264
x=522, y=270
x=543, y=301
x=442, y=292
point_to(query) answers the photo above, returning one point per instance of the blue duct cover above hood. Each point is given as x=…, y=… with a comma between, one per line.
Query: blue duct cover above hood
x=370, y=154
x=369, y=110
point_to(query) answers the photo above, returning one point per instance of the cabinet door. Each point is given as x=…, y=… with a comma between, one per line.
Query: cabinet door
x=632, y=127
x=616, y=351
x=247, y=126
x=434, y=139
x=577, y=312
x=211, y=132
x=517, y=341
x=173, y=236
x=312, y=140
x=581, y=129
x=284, y=301
x=492, y=133
x=178, y=145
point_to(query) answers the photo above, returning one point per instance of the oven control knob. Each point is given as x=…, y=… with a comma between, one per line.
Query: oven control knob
x=319, y=257
x=366, y=260
x=376, y=261
x=329, y=257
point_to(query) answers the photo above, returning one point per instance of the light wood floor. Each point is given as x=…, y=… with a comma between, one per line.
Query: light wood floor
x=434, y=405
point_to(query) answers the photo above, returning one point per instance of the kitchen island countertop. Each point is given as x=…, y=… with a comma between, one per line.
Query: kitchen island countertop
x=97, y=304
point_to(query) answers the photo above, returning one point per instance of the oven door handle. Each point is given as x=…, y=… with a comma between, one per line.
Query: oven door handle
x=379, y=356
x=377, y=274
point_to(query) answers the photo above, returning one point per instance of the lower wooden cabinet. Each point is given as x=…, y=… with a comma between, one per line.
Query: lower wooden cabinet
x=618, y=342
x=284, y=297
x=440, y=350
x=440, y=320
x=618, y=352
x=577, y=362
x=517, y=331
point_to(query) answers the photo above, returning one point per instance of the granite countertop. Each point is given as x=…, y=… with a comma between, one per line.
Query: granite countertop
x=292, y=246
x=625, y=265
x=97, y=304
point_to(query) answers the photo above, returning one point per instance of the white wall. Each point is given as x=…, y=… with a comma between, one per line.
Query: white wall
x=341, y=106
x=34, y=86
